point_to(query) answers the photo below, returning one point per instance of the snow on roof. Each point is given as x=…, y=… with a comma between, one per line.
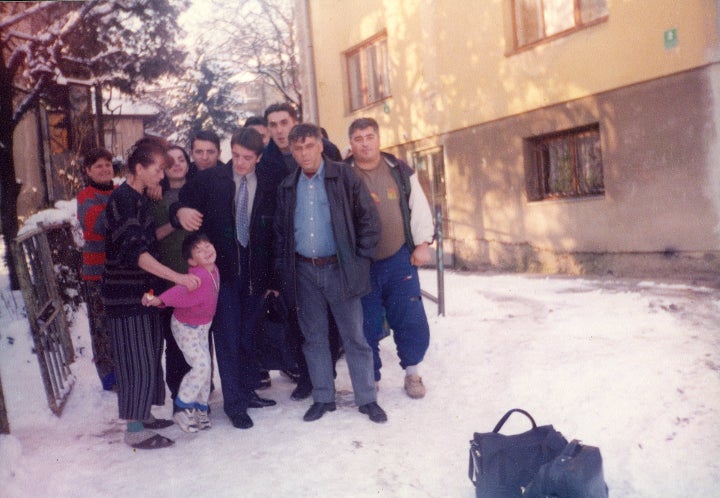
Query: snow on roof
x=125, y=106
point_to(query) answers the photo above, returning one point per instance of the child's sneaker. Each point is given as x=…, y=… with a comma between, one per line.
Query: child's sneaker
x=186, y=419
x=203, y=419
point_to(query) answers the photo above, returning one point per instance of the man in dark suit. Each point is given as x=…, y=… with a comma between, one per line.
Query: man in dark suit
x=234, y=205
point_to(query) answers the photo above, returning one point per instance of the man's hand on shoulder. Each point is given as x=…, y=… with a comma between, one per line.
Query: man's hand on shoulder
x=190, y=219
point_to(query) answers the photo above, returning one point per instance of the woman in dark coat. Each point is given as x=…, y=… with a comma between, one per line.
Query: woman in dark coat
x=132, y=269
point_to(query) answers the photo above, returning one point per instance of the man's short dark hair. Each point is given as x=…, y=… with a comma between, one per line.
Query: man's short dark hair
x=255, y=121
x=248, y=138
x=94, y=155
x=302, y=131
x=361, y=124
x=280, y=107
x=206, y=135
x=190, y=242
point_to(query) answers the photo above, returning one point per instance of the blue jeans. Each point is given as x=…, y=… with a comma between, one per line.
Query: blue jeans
x=396, y=288
x=317, y=289
x=233, y=331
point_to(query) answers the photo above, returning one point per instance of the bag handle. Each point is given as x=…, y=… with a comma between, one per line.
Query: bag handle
x=507, y=416
x=571, y=448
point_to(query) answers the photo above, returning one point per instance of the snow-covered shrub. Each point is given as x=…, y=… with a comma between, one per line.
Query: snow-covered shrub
x=64, y=236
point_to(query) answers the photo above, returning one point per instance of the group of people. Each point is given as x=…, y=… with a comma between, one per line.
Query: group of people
x=337, y=239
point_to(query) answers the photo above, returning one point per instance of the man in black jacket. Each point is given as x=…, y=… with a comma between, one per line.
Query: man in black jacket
x=326, y=233
x=278, y=160
x=205, y=150
x=234, y=205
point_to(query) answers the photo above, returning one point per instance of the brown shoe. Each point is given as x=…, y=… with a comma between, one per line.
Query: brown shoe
x=414, y=386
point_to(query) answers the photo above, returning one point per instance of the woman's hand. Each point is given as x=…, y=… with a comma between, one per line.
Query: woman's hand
x=192, y=282
x=154, y=193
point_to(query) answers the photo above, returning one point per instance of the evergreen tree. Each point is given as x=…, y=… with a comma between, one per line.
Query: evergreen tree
x=200, y=98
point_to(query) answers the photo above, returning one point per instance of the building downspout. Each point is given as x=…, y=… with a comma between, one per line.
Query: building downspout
x=307, y=58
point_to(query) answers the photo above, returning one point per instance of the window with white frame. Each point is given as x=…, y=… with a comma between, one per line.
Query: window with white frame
x=367, y=68
x=537, y=20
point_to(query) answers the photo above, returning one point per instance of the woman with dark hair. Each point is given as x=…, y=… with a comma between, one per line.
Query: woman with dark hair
x=91, y=202
x=132, y=269
x=170, y=242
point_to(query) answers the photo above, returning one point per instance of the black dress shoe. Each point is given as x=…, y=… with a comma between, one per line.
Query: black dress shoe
x=241, y=421
x=265, y=381
x=374, y=411
x=317, y=410
x=302, y=391
x=292, y=374
x=258, y=402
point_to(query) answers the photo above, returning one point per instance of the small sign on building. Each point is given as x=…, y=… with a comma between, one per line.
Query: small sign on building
x=671, y=38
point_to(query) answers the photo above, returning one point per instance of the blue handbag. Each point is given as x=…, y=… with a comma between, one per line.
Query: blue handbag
x=502, y=465
x=577, y=471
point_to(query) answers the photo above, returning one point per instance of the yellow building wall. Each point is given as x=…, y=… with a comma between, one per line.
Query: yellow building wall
x=451, y=64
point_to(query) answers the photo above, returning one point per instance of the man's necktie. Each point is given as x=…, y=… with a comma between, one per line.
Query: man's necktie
x=243, y=219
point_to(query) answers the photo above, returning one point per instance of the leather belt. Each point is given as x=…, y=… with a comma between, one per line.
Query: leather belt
x=328, y=260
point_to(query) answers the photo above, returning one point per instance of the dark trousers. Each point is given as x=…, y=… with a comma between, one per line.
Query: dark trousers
x=175, y=365
x=137, y=353
x=396, y=289
x=100, y=337
x=234, y=332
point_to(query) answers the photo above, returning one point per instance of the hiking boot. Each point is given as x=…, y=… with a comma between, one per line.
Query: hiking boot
x=185, y=418
x=203, y=419
x=414, y=386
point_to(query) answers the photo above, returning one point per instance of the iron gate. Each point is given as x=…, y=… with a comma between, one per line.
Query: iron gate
x=46, y=315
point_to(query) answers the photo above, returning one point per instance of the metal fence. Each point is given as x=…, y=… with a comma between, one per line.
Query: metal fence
x=45, y=312
x=440, y=258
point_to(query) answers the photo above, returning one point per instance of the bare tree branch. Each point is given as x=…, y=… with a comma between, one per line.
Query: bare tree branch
x=41, y=6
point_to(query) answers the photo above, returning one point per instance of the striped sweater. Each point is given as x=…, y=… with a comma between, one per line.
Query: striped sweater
x=91, y=202
x=130, y=233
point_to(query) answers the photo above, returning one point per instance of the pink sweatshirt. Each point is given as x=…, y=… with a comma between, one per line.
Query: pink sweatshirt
x=194, y=307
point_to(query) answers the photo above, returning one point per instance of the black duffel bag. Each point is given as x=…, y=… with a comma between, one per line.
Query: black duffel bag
x=272, y=341
x=576, y=472
x=502, y=466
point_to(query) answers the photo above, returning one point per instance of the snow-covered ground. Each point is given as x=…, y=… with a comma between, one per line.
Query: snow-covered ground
x=632, y=367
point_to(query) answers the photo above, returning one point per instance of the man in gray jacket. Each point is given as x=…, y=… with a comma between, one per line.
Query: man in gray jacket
x=327, y=229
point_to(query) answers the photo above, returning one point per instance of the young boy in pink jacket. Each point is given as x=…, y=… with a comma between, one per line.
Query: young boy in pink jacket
x=191, y=319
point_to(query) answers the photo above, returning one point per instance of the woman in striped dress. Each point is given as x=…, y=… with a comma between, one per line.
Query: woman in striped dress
x=132, y=269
